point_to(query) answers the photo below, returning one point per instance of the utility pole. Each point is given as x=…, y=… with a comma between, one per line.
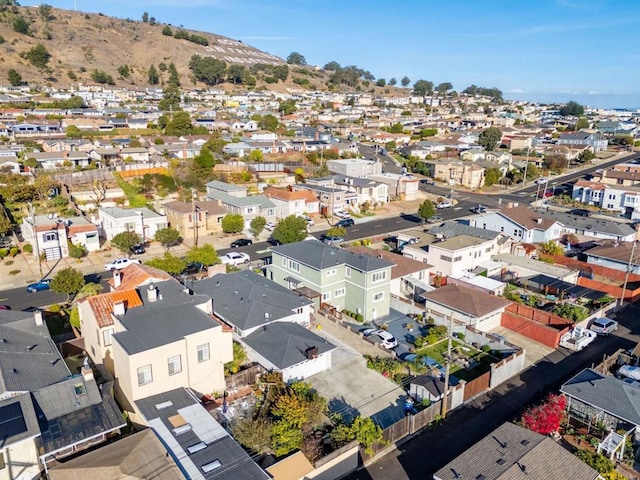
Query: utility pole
x=526, y=165
x=196, y=212
x=626, y=275
x=443, y=407
x=32, y=217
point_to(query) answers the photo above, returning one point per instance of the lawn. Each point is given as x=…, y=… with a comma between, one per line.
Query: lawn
x=461, y=351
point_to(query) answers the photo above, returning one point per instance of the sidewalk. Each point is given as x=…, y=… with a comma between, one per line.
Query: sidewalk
x=26, y=269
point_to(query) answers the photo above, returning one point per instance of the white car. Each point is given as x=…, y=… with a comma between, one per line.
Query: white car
x=120, y=263
x=542, y=180
x=445, y=204
x=341, y=214
x=309, y=221
x=270, y=226
x=387, y=340
x=235, y=258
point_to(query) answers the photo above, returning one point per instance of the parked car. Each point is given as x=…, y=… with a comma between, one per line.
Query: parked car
x=5, y=307
x=445, y=204
x=241, y=242
x=479, y=209
x=332, y=240
x=193, y=268
x=120, y=263
x=435, y=219
x=274, y=242
x=603, y=326
x=387, y=340
x=341, y=214
x=581, y=212
x=345, y=223
x=138, y=249
x=235, y=258
x=426, y=181
x=309, y=221
x=42, y=284
x=270, y=226
x=542, y=180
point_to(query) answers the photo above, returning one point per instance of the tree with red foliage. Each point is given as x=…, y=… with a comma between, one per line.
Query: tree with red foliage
x=546, y=417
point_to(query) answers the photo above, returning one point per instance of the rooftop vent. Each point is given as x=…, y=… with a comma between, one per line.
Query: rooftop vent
x=208, y=467
x=501, y=461
x=163, y=405
x=524, y=442
x=119, y=309
x=182, y=429
x=152, y=293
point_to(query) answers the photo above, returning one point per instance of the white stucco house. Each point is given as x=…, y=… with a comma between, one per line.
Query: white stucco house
x=143, y=221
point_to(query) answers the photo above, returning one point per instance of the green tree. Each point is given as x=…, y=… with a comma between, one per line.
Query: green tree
x=5, y=223
x=291, y=229
x=205, y=159
x=174, y=76
x=269, y=122
x=405, y=81
x=296, y=58
x=381, y=82
x=125, y=240
x=208, y=70
x=152, y=75
x=74, y=318
x=124, y=71
x=396, y=128
x=426, y=210
x=236, y=73
x=73, y=131
x=232, y=223
x=574, y=313
x=336, y=232
x=44, y=11
x=180, y=125
x=257, y=225
x=15, y=79
x=204, y=254
x=571, y=109
x=68, y=281
x=21, y=25
x=145, y=17
x=100, y=76
x=166, y=31
x=490, y=138
x=38, y=56
x=423, y=87
x=444, y=87
x=168, y=263
x=492, y=176
x=88, y=290
x=168, y=237
x=551, y=247
x=253, y=433
x=255, y=156
x=393, y=82
x=586, y=156
x=170, y=99
x=583, y=122
x=362, y=429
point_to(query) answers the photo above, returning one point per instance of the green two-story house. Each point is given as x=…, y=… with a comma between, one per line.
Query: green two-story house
x=357, y=282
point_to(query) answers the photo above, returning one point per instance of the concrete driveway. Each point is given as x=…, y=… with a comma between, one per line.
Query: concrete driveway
x=353, y=389
x=533, y=351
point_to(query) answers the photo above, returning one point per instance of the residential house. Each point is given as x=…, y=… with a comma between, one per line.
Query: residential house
x=355, y=167
x=469, y=306
x=409, y=278
x=368, y=190
x=143, y=221
x=330, y=198
x=47, y=412
x=200, y=446
x=514, y=452
x=55, y=160
x=136, y=154
x=289, y=202
x=402, y=186
x=452, y=248
x=534, y=273
x=356, y=282
x=617, y=255
x=195, y=219
x=626, y=174
x=234, y=199
x=618, y=197
x=51, y=236
x=612, y=401
x=237, y=149
x=594, y=141
x=522, y=224
x=594, y=227
x=465, y=174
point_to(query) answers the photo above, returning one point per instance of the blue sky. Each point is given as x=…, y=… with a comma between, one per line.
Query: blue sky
x=542, y=50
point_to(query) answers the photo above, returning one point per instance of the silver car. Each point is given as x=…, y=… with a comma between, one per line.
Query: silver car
x=603, y=326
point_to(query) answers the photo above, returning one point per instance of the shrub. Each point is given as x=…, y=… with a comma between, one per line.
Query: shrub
x=55, y=308
x=14, y=251
x=485, y=348
x=27, y=248
x=419, y=341
x=14, y=272
x=4, y=252
x=9, y=262
x=77, y=252
x=359, y=318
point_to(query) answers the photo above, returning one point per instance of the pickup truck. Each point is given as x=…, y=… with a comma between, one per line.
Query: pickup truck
x=577, y=338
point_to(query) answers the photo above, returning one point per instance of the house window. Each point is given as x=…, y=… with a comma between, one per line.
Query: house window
x=379, y=276
x=457, y=259
x=203, y=352
x=106, y=337
x=129, y=226
x=50, y=237
x=284, y=262
x=249, y=210
x=295, y=266
x=378, y=296
x=175, y=364
x=347, y=272
x=445, y=258
x=326, y=296
x=270, y=212
x=332, y=272
x=144, y=375
x=339, y=293
x=298, y=310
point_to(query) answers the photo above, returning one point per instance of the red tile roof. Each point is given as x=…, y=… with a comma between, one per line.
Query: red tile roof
x=135, y=275
x=102, y=305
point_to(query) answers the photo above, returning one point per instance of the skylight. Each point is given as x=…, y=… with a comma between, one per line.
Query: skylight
x=197, y=447
x=182, y=429
x=208, y=467
x=79, y=389
x=167, y=404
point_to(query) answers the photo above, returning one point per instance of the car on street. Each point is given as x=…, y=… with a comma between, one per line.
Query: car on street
x=235, y=258
x=120, y=263
x=274, y=241
x=309, y=221
x=270, y=226
x=40, y=285
x=435, y=219
x=581, y=212
x=345, y=223
x=138, y=249
x=542, y=180
x=444, y=204
x=241, y=242
x=341, y=214
x=479, y=209
x=603, y=326
x=5, y=307
x=387, y=340
x=426, y=181
x=193, y=268
x=329, y=240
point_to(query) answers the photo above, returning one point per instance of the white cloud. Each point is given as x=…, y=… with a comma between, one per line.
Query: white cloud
x=516, y=90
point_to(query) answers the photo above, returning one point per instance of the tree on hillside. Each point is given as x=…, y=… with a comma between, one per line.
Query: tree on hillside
x=582, y=122
x=68, y=281
x=426, y=210
x=125, y=240
x=332, y=66
x=444, y=87
x=381, y=82
x=571, y=109
x=152, y=75
x=393, y=81
x=405, y=82
x=291, y=229
x=295, y=58
x=423, y=87
x=170, y=100
x=38, y=56
x=145, y=17
x=208, y=70
x=180, y=125
x=21, y=25
x=174, y=76
x=168, y=237
x=44, y=11
x=236, y=74
x=15, y=79
x=490, y=138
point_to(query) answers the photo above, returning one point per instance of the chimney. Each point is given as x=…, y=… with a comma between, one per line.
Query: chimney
x=311, y=353
x=87, y=372
x=539, y=221
x=117, y=278
x=152, y=293
x=119, y=309
x=37, y=315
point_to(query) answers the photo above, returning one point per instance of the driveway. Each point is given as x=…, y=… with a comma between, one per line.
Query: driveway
x=533, y=351
x=353, y=389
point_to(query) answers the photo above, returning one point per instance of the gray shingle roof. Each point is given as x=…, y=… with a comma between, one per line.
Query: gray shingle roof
x=243, y=299
x=284, y=344
x=592, y=224
x=173, y=316
x=512, y=452
x=610, y=394
x=454, y=228
x=117, y=212
x=29, y=358
x=17, y=419
x=225, y=187
x=319, y=255
x=178, y=405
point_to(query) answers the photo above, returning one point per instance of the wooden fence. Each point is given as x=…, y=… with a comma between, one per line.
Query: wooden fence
x=477, y=385
x=248, y=376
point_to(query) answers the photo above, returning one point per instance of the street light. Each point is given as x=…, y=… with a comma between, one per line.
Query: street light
x=142, y=224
